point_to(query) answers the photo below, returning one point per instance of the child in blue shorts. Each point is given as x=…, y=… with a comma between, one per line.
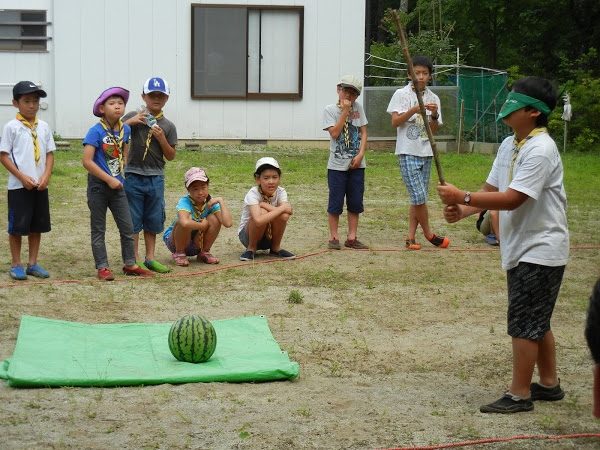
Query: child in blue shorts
x=526, y=185
x=347, y=126
x=151, y=145
x=198, y=223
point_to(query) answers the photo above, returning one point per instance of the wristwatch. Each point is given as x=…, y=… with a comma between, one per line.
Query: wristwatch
x=436, y=117
x=467, y=198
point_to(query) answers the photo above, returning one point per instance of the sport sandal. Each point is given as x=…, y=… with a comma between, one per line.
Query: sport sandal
x=207, y=258
x=180, y=259
x=355, y=244
x=439, y=241
x=411, y=244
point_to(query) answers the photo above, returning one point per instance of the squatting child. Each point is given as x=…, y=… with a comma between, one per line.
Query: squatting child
x=347, y=126
x=413, y=148
x=198, y=222
x=526, y=185
x=104, y=155
x=265, y=213
x=150, y=145
x=26, y=152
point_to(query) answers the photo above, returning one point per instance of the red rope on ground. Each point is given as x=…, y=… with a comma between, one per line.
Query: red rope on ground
x=493, y=440
x=272, y=260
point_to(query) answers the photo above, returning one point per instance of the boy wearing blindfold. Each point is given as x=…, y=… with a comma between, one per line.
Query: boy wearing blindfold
x=526, y=185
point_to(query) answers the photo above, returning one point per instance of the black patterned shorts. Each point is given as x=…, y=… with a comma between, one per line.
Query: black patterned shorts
x=532, y=293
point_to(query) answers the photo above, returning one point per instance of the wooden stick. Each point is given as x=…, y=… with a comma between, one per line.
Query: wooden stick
x=411, y=71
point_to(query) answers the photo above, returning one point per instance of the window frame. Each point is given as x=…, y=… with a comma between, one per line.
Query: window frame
x=299, y=10
x=24, y=38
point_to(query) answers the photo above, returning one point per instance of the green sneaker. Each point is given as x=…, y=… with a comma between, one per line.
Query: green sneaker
x=141, y=264
x=155, y=266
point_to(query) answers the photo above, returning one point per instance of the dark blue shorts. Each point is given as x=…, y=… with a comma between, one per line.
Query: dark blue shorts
x=28, y=211
x=349, y=184
x=532, y=293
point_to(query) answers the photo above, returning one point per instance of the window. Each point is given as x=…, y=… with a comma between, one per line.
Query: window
x=247, y=51
x=23, y=30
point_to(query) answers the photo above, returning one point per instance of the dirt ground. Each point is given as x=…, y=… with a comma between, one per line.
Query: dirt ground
x=396, y=348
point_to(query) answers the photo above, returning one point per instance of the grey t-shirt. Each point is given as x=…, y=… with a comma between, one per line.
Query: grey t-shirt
x=347, y=145
x=153, y=162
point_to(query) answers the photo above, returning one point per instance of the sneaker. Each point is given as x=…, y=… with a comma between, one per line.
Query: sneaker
x=439, y=241
x=142, y=265
x=17, y=273
x=105, y=274
x=283, y=254
x=508, y=405
x=137, y=272
x=411, y=244
x=154, y=266
x=539, y=392
x=248, y=255
x=355, y=244
x=334, y=244
x=36, y=271
x=491, y=239
x=207, y=258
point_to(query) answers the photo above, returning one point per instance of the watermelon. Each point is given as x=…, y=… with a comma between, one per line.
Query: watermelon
x=192, y=339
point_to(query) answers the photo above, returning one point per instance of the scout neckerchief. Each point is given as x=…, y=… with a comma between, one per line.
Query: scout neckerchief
x=345, y=130
x=149, y=138
x=517, y=146
x=116, y=140
x=34, y=137
x=267, y=199
x=197, y=216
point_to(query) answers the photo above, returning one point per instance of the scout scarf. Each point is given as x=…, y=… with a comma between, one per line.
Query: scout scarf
x=149, y=138
x=266, y=199
x=34, y=136
x=517, y=146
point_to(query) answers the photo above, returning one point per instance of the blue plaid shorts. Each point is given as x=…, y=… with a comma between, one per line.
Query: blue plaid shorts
x=416, y=171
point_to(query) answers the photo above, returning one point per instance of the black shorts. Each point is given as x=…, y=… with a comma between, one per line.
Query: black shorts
x=28, y=211
x=532, y=293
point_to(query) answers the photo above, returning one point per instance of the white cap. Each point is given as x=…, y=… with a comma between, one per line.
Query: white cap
x=266, y=160
x=352, y=82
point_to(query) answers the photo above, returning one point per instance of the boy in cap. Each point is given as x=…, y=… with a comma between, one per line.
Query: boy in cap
x=198, y=222
x=526, y=185
x=26, y=152
x=347, y=126
x=104, y=156
x=265, y=213
x=151, y=145
x=414, y=149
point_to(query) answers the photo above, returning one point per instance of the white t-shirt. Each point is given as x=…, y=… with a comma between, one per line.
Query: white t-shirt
x=412, y=136
x=536, y=232
x=253, y=197
x=17, y=142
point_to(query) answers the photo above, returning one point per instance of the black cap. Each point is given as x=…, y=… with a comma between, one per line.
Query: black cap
x=27, y=87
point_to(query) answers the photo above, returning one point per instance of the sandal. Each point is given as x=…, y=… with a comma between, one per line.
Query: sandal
x=180, y=259
x=439, y=241
x=207, y=258
x=411, y=244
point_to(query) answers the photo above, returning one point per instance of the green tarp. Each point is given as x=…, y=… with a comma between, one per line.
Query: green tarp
x=59, y=353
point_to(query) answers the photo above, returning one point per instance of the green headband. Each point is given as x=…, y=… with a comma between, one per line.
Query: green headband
x=515, y=101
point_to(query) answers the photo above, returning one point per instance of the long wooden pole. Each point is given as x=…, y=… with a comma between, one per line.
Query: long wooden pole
x=411, y=71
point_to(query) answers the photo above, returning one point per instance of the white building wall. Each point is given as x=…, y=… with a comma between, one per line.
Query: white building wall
x=123, y=42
